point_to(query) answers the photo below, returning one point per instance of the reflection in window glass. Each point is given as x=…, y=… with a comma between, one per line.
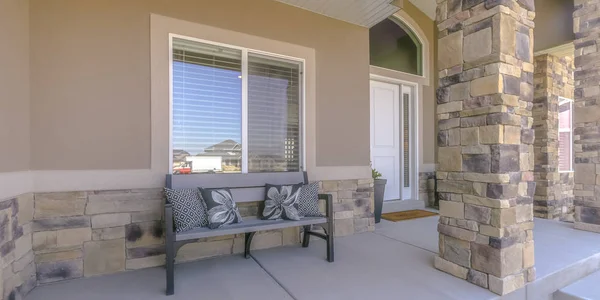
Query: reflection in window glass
x=273, y=114
x=565, y=135
x=207, y=108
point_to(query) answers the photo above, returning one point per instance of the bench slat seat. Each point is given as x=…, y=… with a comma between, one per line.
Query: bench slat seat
x=248, y=225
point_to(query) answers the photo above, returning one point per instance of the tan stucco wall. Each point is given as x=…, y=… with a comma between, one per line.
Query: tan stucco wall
x=14, y=85
x=91, y=100
x=425, y=27
x=553, y=23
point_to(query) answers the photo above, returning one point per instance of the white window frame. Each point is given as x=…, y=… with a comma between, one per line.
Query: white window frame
x=561, y=101
x=245, y=51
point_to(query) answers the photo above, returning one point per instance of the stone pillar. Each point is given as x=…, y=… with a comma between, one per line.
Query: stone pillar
x=587, y=115
x=485, y=140
x=553, y=78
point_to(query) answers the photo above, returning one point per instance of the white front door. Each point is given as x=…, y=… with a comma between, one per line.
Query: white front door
x=391, y=137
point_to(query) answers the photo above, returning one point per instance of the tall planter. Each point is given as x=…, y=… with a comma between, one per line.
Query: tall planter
x=378, y=195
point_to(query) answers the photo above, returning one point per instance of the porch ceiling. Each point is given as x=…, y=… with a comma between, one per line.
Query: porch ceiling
x=359, y=12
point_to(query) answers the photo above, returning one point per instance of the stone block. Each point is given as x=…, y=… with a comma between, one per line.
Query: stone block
x=47, y=257
x=492, y=134
x=450, y=50
x=44, y=240
x=144, y=234
x=124, y=202
x=504, y=217
x=73, y=237
x=488, y=85
x=512, y=135
x=104, y=257
x=503, y=286
x=110, y=220
x=524, y=213
x=493, y=203
x=449, y=107
x=502, y=191
x=458, y=187
x=469, y=136
x=60, y=223
x=505, y=158
x=50, y=205
x=450, y=268
x=478, y=213
x=145, y=216
x=61, y=270
x=477, y=45
x=457, y=251
x=497, y=262
x=20, y=264
x=141, y=252
x=26, y=208
x=528, y=255
x=585, y=174
x=478, y=278
x=23, y=245
x=459, y=91
x=452, y=209
x=478, y=163
x=108, y=233
x=450, y=159
x=455, y=232
x=146, y=262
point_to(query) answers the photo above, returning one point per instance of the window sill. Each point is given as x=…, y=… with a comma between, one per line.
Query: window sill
x=571, y=171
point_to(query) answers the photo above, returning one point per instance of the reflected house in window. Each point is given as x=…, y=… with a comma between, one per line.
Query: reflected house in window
x=225, y=156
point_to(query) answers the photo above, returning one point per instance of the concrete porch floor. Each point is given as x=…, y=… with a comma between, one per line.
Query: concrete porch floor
x=394, y=262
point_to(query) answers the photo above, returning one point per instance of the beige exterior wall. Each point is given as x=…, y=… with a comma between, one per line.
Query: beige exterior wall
x=14, y=85
x=91, y=101
x=553, y=23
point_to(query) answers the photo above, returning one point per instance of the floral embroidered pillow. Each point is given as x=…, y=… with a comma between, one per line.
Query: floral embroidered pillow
x=222, y=210
x=282, y=202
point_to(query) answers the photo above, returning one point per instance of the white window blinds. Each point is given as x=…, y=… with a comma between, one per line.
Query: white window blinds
x=565, y=135
x=207, y=108
x=216, y=113
x=273, y=114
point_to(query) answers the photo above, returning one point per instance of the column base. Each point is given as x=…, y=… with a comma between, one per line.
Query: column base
x=500, y=286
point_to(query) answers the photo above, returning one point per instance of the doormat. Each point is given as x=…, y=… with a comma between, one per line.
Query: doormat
x=407, y=215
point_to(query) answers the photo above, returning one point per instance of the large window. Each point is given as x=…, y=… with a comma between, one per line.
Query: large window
x=234, y=110
x=565, y=135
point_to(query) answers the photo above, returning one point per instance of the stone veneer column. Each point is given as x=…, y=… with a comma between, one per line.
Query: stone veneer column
x=553, y=78
x=485, y=140
x=587, y=115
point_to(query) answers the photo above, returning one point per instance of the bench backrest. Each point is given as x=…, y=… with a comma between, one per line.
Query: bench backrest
x=244, y=187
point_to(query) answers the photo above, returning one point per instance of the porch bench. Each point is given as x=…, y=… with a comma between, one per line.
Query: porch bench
x=244, y=188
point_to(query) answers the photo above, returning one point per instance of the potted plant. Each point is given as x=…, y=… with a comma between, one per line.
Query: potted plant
x=379, y=186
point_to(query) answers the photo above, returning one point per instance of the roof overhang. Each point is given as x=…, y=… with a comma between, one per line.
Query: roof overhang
x=364, y=13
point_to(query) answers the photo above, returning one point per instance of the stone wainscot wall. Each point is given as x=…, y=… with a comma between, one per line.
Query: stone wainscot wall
x=18, y=275
x=89, y=233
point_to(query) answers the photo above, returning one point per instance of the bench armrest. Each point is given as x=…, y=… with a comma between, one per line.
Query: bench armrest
x=328, y=204
x=169, y=223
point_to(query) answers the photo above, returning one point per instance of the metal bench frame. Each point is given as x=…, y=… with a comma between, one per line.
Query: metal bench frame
x=174, y=241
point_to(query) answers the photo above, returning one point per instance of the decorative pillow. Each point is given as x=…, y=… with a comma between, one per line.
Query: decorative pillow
x=282, y=202
x=222, y=210
x=308, y=200
x=188, y=208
